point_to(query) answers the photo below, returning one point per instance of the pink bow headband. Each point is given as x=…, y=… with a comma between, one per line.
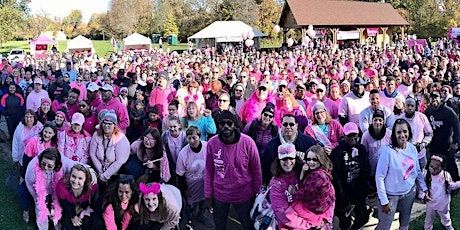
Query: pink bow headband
x=146, y=189
x=438, y=158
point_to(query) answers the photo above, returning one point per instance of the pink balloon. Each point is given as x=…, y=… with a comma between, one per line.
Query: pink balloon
x=243, y=36
x=311, y=33
x=310, y=27
x=290, y=42
x=277, y=29
x=305, y=40
x=249, y=42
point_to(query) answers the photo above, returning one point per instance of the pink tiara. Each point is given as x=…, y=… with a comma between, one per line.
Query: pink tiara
x=145, y=189
x=438, y=158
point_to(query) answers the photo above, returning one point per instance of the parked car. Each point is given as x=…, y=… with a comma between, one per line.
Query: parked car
x=16, y=55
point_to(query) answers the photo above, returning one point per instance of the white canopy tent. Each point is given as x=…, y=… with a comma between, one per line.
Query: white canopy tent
x=225, y=31
x=80, y=44
x=137, y=41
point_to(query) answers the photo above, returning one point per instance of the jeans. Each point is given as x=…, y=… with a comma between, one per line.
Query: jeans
x=402, y=204
x=24, y=196
x=242, y=209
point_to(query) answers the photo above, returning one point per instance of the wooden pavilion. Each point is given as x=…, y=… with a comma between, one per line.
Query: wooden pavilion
x=366, y=17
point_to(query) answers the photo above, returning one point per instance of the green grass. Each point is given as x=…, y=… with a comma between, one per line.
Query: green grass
x=102, y=47
x=10, y=212
x=418, y=223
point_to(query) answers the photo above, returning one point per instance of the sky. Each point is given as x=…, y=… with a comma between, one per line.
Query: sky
x=62, y=8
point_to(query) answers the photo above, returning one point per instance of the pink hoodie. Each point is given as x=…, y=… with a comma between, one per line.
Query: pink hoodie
x=120, y=110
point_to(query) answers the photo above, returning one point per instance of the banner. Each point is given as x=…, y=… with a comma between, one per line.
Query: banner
x=413, y=42
x=372, y=31
x=348, y=35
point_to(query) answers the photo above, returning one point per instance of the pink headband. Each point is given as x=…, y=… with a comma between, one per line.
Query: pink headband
x=438, y=158
x=145, y=189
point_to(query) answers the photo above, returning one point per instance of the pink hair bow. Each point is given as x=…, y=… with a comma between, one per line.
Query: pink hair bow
x=146, y=189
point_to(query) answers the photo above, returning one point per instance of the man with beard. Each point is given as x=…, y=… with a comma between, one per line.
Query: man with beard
x=351, y=170
x=112, y=103
x=354, y=102
x=365, y=118
x=289, y=134
x=446, y=132
x=238, y=97
x=421, y=128
x=389, y=94
x=232, y=174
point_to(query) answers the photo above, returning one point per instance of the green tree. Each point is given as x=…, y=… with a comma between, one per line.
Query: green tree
x=170, y=26
x=11, y=21
x=71, y=23
x=269, y=14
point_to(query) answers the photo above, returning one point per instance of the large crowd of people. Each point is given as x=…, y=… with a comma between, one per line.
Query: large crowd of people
x=143, y=139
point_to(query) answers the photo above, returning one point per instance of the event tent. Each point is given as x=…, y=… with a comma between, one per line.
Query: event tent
x=225, y=31
x=80, y=44
x=136, y=41
x=40, y=44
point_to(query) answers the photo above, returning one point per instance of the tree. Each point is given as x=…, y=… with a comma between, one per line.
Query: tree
x=170, y=26
x=238, y=10
x=95, y=26
x=71, y=23
x=269, y=14
x=123, y=15
x=11, y=21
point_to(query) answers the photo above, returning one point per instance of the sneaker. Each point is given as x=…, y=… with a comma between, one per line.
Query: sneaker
x=25, y=216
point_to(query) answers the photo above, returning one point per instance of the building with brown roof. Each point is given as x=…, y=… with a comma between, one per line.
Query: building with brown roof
x=341, y=15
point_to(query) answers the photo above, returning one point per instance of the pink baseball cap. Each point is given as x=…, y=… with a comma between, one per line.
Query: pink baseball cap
x=350, y=127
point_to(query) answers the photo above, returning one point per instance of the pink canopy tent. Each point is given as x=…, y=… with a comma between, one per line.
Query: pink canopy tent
x=40, y=44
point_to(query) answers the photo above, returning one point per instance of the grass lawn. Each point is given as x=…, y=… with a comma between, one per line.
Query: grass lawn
x=102, y=47
x=10, y=212
x=418, y=223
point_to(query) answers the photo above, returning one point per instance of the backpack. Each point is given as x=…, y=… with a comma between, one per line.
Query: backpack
x=262, y=213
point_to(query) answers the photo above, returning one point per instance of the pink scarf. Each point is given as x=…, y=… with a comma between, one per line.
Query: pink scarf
x=40, y=188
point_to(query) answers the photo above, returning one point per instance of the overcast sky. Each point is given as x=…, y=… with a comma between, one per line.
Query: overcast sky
x=62, y=8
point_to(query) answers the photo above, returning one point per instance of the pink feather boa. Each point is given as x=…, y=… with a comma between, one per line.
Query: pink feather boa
x=40, y=188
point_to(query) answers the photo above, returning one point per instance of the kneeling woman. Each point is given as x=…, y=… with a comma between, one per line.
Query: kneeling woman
x=42, y=176
x=76, y=195
x=158, y=208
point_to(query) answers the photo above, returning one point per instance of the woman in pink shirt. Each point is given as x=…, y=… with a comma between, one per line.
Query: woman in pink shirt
x=118, y=204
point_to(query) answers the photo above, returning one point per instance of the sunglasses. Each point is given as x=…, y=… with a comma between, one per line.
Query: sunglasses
x=228, y=123
x=46, y=165
x=268, y=115
x=288, y=158
x=238, y=90
x=289, y=124
x=147, y=139
x=222, y=101
x=107, y=123
x=311, y=159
